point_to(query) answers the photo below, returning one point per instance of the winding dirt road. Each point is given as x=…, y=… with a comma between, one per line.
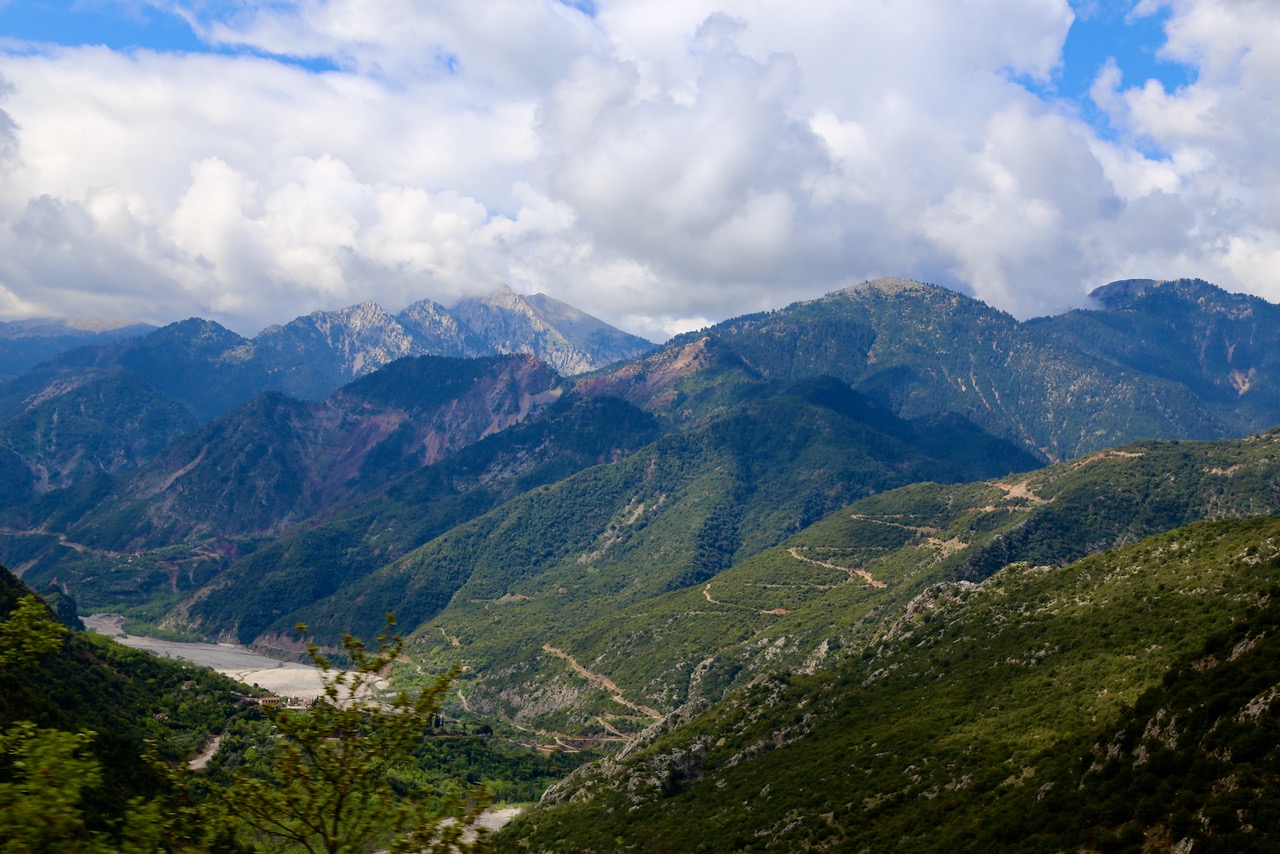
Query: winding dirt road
x=603, y=681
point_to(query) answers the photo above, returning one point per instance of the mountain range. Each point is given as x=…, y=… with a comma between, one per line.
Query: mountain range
x=112, y=405
x=750, y=548
x=26, y=343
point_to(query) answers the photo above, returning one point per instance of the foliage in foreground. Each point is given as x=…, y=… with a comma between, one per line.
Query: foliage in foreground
x=331, y=780
x=330, y=788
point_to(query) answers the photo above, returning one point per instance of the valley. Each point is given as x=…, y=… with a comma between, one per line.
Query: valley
x=811, y=578
x=288, y=679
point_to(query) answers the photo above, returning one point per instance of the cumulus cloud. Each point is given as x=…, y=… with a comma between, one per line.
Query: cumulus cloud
x=660, y=163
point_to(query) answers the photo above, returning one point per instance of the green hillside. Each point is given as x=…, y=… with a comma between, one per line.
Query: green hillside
x=546, y=566
x=812, y=600
x=265, y=591
x=58, y=430
x=1054, y=387
x=959, y=715
x=125, y=697
x=1187, y=331
x=795, y=581
x=216, y=494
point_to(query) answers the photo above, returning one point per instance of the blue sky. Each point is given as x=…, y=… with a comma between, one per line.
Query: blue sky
x=659, y=163
x=116, y=25
x=121, y=26
x=1108, y=29
x=1102, y=29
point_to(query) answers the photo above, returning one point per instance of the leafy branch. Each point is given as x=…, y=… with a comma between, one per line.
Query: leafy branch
x=329, y=786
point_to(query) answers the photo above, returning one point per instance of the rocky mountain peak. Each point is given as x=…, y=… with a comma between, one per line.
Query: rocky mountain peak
x=351, y=341
x=436, y=332
x=1121, y=291
x=889, y=286
x=512, y=324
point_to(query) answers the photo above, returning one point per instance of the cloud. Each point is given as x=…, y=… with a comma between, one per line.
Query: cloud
x=1218, y=133
x=658, y=163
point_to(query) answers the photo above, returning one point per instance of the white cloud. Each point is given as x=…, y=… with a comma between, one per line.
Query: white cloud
x=663, y=163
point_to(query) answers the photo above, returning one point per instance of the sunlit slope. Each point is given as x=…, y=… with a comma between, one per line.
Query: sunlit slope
x=817, y=597
x=945, y=727
x=258, y=597
x=669, y=517
x=1186, y=361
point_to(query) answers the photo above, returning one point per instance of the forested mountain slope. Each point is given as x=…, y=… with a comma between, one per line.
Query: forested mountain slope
x=924, y=350
x=259, y=597
x=813, y=600
x=766, y=520
x=1126, y=697
x=59, y=430
x=1218, y=344
x=268, y=465
x=124, y=697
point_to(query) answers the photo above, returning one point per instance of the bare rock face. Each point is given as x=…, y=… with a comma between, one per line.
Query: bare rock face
x=569, y=340
x=326, y=348
x=314, y=354
x=511, y=324
x=602, y=343
x=436, y=332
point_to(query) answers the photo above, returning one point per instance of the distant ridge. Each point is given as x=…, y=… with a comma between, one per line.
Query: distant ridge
x=1121, y=289
x=28, y=342
x=212, y=369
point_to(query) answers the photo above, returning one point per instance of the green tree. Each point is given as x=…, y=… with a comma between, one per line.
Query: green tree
x=329, y=785
x=327, y=788
x=44, y=771
x=28, y=633
x=40, y=805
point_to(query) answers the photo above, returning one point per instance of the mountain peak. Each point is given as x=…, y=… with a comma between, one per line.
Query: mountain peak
x=1121, y=290
x=890, y=285
x=1125, y=292
x=570, y=340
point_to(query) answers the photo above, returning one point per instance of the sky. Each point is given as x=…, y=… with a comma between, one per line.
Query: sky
x=662, y=164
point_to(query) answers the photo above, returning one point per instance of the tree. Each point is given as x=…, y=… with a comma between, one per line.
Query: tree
x=40, y=806
x=43, y=772
x=28, y=633
x=329, y=786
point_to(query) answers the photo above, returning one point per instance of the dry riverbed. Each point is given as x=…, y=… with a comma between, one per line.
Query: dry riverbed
x=285, y=678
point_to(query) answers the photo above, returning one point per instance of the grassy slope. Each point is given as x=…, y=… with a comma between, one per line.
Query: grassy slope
x=967, y=702
x=545, y=567
x=782, y=609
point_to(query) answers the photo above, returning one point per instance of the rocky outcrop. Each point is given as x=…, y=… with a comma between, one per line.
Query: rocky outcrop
x=642, y=777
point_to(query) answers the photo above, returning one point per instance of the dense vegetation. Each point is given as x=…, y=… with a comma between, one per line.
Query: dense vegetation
x=923, y=350
x=812, y=600
x=268, y=590
x=126, y=698
x=216, y=494
x=737, y=544
x=1034, y=710
x=94, y=738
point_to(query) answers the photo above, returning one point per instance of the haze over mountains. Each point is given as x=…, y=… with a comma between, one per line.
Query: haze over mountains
x=607, y=535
